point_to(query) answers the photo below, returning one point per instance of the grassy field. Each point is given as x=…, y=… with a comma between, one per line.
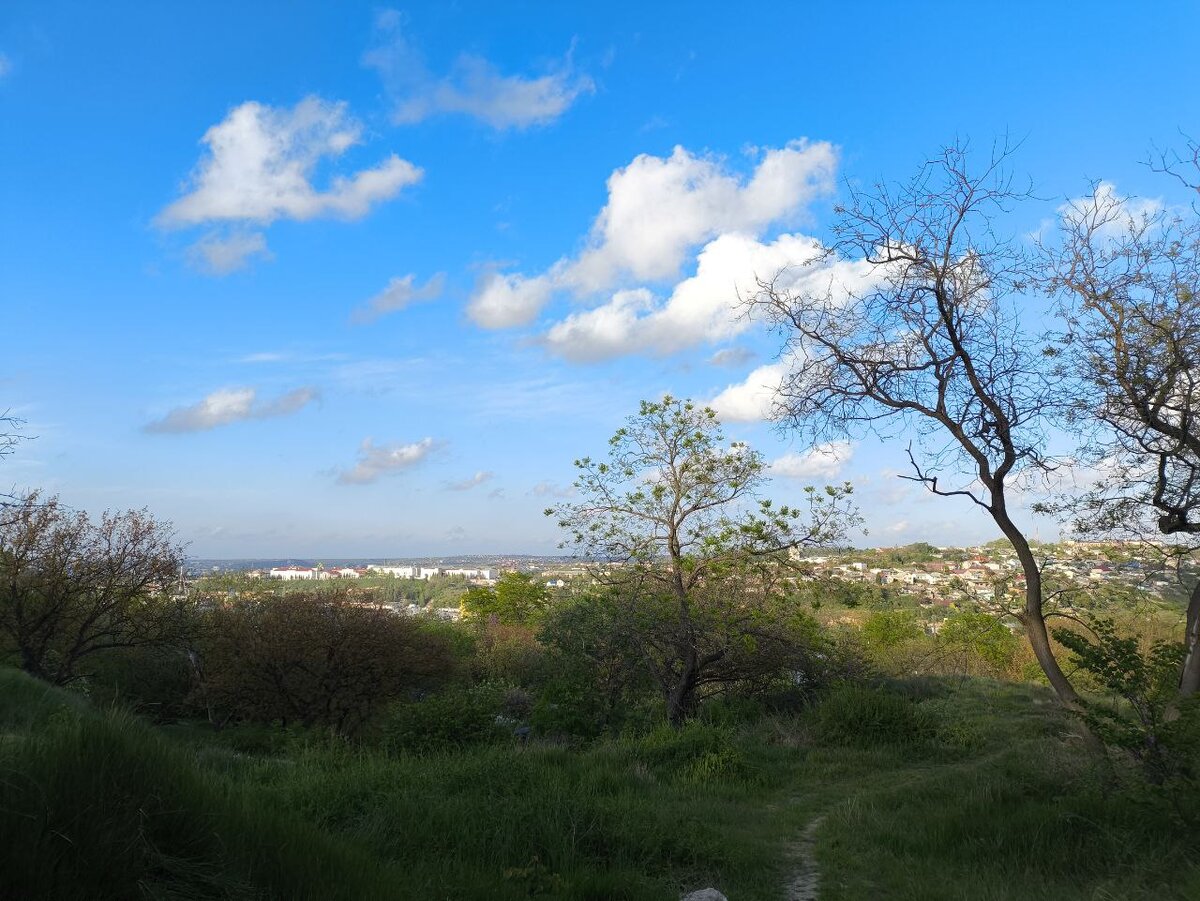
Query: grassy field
x=929, y=791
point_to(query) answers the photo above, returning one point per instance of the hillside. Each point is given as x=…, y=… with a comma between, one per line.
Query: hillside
x=927, y=791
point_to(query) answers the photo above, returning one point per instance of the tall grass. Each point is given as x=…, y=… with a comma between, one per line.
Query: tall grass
x=928, y=791
x=98, y=806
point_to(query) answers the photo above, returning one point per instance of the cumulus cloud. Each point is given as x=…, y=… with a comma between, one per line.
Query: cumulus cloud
x=258, y=168
x=751, y=400
x=220, y=255
x=376, y=461
x=230, y=405
x=658, y=211
x=260, y=161
x=505, y=301
x=702, y=308
x=473, y=87
x=471, y=481
x=659, y=208
x=399, y=293
x=824, y=461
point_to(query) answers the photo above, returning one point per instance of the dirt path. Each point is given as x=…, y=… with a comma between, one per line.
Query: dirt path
x=805, y=879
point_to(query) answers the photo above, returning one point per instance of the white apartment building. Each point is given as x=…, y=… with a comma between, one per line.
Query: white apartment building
x=291, y=573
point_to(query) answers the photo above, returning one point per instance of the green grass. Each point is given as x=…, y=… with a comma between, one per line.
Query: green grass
x=933, y=791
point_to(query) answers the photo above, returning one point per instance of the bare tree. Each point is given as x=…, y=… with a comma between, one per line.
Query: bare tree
x=9, y=425
x=71, y=587
x=929, y=342
x=10, y=435
x=1128, y=275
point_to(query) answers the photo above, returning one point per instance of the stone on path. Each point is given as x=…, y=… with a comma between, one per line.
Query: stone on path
x=704, y=894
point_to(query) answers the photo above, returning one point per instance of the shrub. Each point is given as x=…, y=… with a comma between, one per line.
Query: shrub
x=508, y=653
x=316, y=660
x=1142, y=716
x=455, y=718
x=155, y=681
x=977, y=644
x=864, y=717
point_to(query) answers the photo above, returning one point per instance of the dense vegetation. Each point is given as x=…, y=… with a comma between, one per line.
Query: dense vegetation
x=914, y=781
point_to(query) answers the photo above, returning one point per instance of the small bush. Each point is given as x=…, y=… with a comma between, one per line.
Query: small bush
x=1141, y=716
x=864, y=717
x=156, y=681
x=455, y=718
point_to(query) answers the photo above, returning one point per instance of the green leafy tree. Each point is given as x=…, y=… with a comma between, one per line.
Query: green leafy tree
x=978, y=644
x=673, y=514
x=517, y=598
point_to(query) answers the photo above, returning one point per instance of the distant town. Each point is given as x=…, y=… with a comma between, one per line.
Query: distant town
x=985, y=577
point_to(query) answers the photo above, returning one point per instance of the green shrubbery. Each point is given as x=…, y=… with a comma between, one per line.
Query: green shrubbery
x=866, y=717
x=1139, y=711
x=455, y=718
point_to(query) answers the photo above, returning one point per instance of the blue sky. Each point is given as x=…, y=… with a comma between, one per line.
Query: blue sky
x=347, y=280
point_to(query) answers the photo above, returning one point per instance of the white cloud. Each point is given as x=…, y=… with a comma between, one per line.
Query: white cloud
x=504, y=301
x=474, y=86
x=471, y=481
x=732, y=356
x=6, y=65
x=377, y=461
x=548, y=488
x=260, y=162
x=220, y=255
x=399, y=293
x=1113, y=213
x=751, y=400
x=659, y=209
x=702, y=308
x=824, y=461
x=230, y=405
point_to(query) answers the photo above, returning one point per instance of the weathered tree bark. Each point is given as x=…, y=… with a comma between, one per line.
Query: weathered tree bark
x=681, y=700
x=1032, y=616
x=1189, y=681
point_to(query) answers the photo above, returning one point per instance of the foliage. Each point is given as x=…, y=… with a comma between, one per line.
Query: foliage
x=455, y=718
x=978, y=644
x=314, y=659
x=862, y=716
x=510, y=654
x=1145, y=721
x=606, y=654
x=72, y=587
x=517, y=598
x=677, y=509
x=600, y=674
x=106, y=808
x=884, y=630
x=155, y=680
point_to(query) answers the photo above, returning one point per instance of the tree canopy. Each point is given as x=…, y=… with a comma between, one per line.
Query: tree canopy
x=674, y=512
x=71, y=586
